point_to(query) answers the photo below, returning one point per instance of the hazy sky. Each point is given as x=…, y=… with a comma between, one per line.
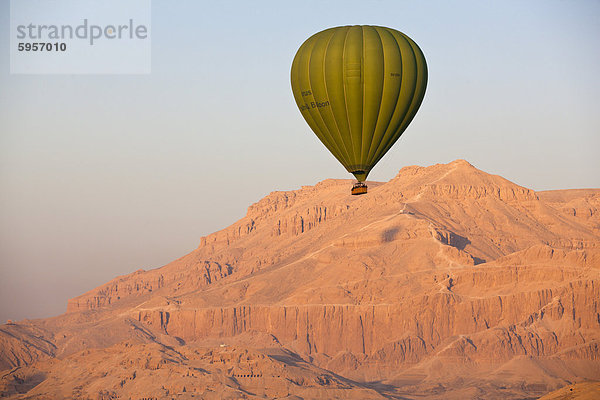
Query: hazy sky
x=101, y=175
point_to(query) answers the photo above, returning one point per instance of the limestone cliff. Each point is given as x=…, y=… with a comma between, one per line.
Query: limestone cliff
x=444, y=282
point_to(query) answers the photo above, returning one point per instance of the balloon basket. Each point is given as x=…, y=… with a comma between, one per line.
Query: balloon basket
x=359, y=188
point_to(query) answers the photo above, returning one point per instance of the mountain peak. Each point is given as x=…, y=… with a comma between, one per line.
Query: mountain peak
x=458, y=180
x=461, y=163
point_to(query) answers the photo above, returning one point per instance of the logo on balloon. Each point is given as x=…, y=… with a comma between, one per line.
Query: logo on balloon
x=314, y=104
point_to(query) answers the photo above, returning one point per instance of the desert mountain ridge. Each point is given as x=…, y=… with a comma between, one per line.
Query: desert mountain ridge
x=445, y=282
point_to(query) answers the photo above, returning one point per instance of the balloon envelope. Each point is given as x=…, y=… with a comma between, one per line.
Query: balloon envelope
x=358, y=88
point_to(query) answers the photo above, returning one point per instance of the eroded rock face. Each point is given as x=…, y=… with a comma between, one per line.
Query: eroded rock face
x=151, y=371
x=23, y=344
x=195, y=274
x=444, y=282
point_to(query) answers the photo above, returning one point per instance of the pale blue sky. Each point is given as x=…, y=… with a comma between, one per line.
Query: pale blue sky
x=101, y=175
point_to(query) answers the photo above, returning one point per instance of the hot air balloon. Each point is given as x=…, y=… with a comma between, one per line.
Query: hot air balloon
x=358, y=88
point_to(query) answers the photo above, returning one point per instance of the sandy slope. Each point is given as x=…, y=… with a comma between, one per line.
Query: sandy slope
x=578, y=391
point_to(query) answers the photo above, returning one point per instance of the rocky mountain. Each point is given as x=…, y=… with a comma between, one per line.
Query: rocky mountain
x=445, y=282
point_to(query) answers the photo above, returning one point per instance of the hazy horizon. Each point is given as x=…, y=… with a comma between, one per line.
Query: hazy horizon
x=104, y=174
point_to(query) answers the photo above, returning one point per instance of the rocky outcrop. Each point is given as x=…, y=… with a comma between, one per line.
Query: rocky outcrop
x=307, y=219
x=509, y=194
x=195, y=276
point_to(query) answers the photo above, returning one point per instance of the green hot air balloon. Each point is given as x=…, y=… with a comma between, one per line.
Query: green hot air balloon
x=358, y=88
